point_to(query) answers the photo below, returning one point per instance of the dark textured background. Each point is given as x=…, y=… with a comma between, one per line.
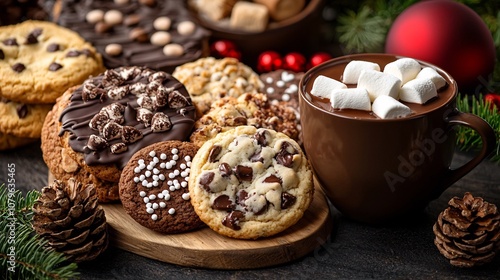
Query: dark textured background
x=403, y=250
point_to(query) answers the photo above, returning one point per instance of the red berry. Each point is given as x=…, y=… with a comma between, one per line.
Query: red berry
x=269, y=61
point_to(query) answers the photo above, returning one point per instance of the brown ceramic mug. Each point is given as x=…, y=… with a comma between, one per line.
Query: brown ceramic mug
x=373, y=169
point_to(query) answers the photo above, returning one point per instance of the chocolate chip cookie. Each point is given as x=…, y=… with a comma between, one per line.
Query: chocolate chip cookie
x=208, y=80
x=154, y=187
x=22, y=120
x=40, y=60
x=248, y=109
x=250, y=183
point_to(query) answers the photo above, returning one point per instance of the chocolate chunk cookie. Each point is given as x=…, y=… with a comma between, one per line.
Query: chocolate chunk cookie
x=250, y=183
x=208, y=80
x=40, y=60
x=248, y=109
x=154, y=187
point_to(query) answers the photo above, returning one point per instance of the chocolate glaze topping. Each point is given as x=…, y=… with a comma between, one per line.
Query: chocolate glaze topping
x=104, y=144
x=136, y=52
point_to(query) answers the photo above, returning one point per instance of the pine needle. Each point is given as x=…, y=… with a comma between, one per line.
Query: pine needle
x=467, y=138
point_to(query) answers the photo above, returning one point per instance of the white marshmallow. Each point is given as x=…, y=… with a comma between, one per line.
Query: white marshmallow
x=404, y=69
x=418, y=91
x=353, y=69
x=379, y=83
x=323, y=86
x=433, y=75
x=386, y=107
x=350, y=98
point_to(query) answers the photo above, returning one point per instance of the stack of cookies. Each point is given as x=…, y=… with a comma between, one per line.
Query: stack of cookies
x=38, y=62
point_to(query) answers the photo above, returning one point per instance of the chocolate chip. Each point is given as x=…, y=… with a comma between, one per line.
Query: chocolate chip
x=232, y=220
x=87, y=53
x=138, y=34
x=72, y=53
x=287, y=200
x=176, y=100
x=132, y=19
x=262, y=137
x=240, y=120
x=214, y=153
x=222, y=202
x=118, y=148
x=272, y=179
x=53, y=47
x=102, y=27
x=150, y=3
x=33, y=36
x=131, y=134
x=2, y=55
x=96, y=143
x=285, y=155
x=256, y=157
x=18, y=67
x=225, y=169
x=244, y=173
x=54, y=66
x=160, y=122
x=241, y=196
x=10, y=42
x=206, y=179
x=22, y=111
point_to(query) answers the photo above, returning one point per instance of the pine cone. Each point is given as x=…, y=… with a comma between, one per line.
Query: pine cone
x=468, y=231
x=70, y=218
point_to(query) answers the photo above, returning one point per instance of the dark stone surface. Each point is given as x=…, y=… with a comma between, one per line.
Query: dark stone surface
x=403, y=250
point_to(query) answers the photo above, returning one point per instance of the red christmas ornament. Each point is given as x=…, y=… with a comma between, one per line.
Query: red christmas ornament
x=294, y=61
x=224, y=48
x=493, y=100
x=317, y=59
x=269, y=61
x=449, y=35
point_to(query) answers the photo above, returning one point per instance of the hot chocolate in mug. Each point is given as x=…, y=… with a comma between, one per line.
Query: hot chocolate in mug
x=374, y=169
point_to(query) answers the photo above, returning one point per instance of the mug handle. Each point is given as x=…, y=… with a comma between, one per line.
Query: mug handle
x=488, y=139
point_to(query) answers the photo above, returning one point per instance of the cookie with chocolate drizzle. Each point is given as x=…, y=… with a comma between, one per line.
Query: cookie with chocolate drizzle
x=108, y=118
x=250, y=183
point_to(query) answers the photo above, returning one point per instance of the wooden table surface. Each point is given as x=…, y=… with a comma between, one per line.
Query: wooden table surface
x=403, y=250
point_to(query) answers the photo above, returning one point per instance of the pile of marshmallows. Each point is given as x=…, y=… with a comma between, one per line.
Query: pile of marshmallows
x=403, y=79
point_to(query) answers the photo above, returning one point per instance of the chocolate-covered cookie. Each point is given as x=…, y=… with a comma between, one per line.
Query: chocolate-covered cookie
x=154, y=187
x=156, y=34
x=250, y=183
x=108, y=118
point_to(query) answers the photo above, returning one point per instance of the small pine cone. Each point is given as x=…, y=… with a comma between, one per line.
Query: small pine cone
x=69, y=217
x=468, y=231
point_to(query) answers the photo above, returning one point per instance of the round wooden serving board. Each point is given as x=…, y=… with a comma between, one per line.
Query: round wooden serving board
x=208, y=249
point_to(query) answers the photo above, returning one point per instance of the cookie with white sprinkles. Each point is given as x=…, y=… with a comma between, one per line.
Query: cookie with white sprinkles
x=249, y=182
x=154, y=187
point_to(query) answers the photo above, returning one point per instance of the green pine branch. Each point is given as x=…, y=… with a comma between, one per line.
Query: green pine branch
x=23, y=254
x=467, y=138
